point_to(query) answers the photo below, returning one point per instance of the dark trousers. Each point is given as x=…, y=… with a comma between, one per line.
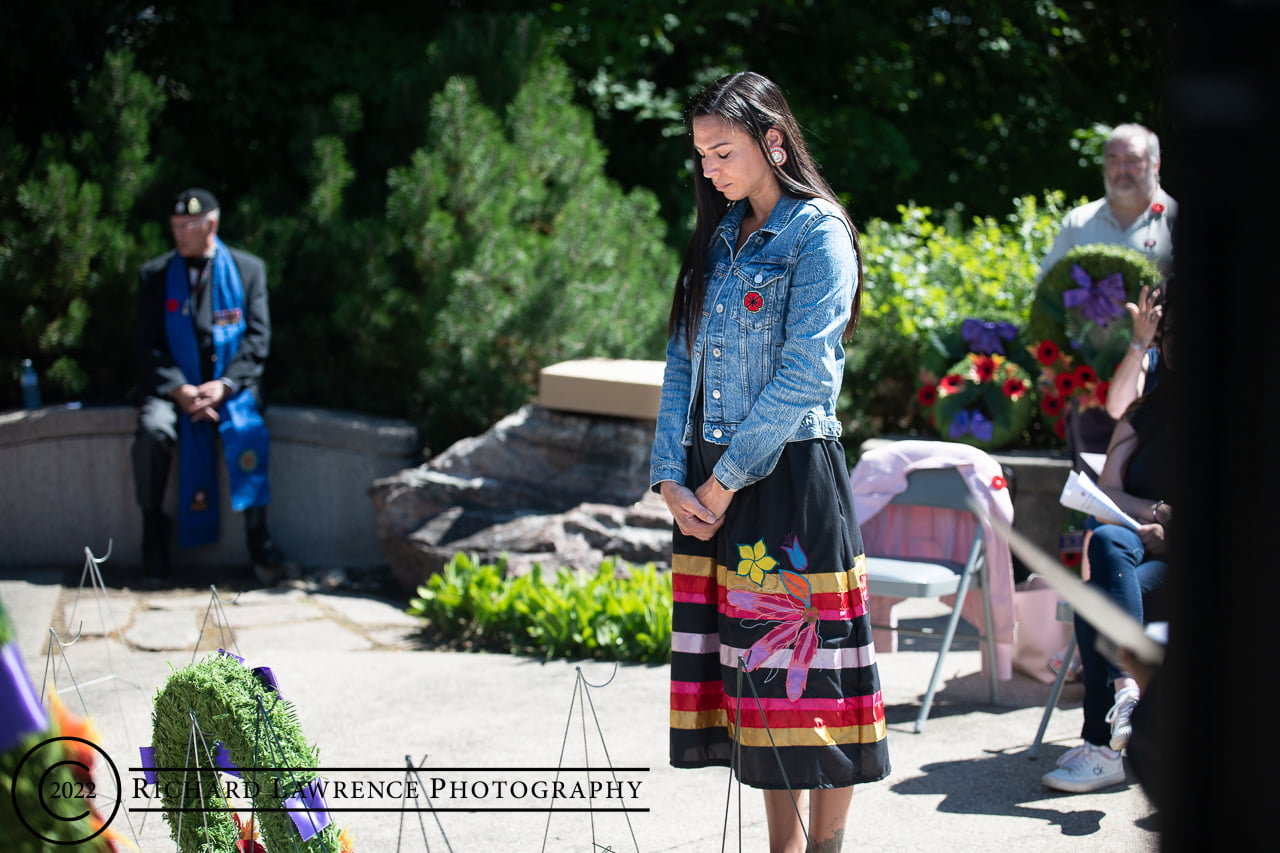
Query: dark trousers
x=1120, y=568
x=153, y=445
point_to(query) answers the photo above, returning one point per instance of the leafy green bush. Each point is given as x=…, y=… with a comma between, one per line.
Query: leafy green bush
x=503, y=249
x=618, y=613
x=926, y=274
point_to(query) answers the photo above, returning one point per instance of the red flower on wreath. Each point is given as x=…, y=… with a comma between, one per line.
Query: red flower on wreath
x=1014, y=388
x=950, y=383
x=1065, y=383
x=1047, y=353
x=1084, y=374
x=984, y=367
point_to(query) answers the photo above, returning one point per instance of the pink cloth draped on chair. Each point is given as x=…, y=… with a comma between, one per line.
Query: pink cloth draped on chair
x=925, y=532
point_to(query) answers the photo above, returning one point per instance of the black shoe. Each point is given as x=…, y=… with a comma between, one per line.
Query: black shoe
x=269, y=563
x=156, y=564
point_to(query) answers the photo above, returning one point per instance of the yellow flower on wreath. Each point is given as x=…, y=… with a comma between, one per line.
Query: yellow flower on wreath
x=755, y=561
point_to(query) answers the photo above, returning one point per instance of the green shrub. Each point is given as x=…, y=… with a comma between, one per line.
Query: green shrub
x=503, y=248
x=926, y=274
x=67, y=259
x=619, y=612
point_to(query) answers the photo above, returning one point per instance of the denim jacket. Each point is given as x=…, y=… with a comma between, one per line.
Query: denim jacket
x=769, y=348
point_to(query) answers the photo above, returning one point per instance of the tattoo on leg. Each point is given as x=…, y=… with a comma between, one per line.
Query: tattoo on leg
x=828, y=845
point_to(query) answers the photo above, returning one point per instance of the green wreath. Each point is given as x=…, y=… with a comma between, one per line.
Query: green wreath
x=1098, y=338
x=984, y=400
x=241, y=710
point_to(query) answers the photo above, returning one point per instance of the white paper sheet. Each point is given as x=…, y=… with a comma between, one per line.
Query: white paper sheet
x=1080, y=492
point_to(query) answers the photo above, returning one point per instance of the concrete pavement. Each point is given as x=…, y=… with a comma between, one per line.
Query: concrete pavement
x=369, y=696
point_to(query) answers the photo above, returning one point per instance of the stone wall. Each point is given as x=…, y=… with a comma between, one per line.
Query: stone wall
x=569, y=488
x=352, y=491
x=66, y=483
x=545, y=486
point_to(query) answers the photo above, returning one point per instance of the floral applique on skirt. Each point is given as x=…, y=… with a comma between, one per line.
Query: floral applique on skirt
x=783, y=588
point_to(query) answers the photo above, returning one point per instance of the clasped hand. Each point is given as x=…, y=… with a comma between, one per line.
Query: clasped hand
x=201, y=402
x=698, y=514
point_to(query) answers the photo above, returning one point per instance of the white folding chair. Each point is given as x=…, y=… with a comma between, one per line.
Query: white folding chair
x=901, y=577
x=1064, y=613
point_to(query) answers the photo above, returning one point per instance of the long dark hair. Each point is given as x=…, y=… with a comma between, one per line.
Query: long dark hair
x=753, y=103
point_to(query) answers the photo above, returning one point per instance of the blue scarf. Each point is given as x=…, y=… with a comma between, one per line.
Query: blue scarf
x=241, y=428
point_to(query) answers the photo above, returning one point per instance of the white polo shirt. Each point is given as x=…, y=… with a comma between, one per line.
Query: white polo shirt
x=1151, y=233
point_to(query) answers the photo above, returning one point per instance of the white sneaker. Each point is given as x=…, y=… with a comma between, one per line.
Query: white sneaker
x=1119, y=715
x=1085, y=768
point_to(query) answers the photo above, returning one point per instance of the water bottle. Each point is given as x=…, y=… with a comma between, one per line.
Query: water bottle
x=30, y=386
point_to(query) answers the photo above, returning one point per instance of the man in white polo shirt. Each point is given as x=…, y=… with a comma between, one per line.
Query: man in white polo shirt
x=1135, y=212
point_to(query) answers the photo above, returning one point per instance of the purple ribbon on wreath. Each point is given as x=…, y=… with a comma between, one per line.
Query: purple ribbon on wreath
x=308, y=810
x=986, y=336
x=1099, y=301
x=21, y=713
x=971, y=422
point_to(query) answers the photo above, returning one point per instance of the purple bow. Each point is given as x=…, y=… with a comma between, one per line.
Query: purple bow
x=1099, y=301
x=268, y=678
x=973, y=422
x=223, y=759
x=984, y=336
x=308, y=810
x=21, y=713
x=149, y=764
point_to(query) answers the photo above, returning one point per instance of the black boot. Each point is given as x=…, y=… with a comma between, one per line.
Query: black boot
x=155, y=546
x=268, y=562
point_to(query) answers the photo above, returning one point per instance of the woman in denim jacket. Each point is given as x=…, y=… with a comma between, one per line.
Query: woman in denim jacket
x=773, y=671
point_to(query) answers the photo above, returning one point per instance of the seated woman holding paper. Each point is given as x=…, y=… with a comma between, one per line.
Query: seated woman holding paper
x=1127, y=563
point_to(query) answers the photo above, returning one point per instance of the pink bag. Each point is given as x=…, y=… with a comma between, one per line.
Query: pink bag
x=1038, y=634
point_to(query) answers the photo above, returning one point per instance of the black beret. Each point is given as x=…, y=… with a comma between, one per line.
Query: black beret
x=193, y=202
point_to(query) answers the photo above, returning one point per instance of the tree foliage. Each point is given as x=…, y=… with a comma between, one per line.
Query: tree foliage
x=65, y=247
x=926, y=275
x=523, y=252
x=444, y=209
x=901, y=101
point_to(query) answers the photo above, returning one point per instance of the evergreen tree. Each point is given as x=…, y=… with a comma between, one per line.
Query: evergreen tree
x=504, y=248
x=526, y=253
x=63, y=233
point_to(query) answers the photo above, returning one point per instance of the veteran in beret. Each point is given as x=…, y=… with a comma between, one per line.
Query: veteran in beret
x=204, y=333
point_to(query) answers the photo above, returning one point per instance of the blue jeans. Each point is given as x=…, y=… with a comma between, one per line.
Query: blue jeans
x=1119, y=568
